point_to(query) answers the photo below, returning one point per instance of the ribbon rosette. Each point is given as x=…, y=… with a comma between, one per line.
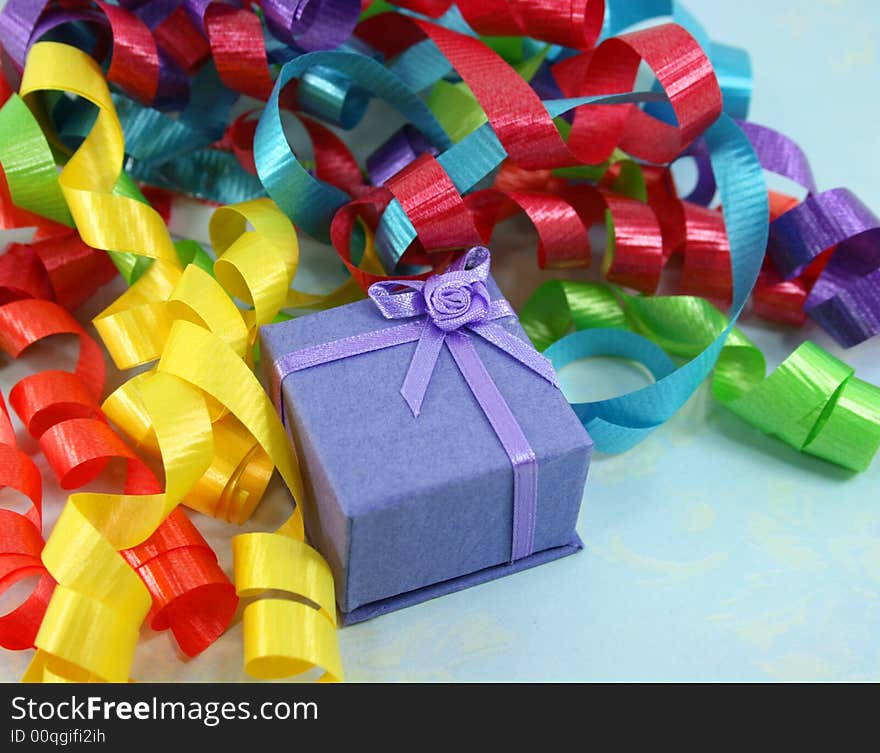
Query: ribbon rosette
x=444, y=309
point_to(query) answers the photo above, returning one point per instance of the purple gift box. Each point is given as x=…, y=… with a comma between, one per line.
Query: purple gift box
x=437, y=450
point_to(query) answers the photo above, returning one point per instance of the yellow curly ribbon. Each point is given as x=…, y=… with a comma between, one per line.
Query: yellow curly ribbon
x=91, y=626
x=236, y=480
x=88, y=178
x=201, y=410
x=290, y=626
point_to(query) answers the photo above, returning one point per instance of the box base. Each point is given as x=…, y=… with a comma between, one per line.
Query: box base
x=411, y=598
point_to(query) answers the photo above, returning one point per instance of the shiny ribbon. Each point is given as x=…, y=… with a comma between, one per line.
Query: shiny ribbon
x=201, y=397
x=812, y=401
x=441, y=307
x=844, y=299
x=21, y=542
x=312, y=24
x=58, y=408
x=826, y=247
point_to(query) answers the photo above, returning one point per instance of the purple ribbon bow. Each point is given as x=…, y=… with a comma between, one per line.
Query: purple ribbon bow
x=444, y=310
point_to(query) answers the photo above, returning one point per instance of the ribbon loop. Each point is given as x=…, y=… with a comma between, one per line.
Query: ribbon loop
x=395, y=303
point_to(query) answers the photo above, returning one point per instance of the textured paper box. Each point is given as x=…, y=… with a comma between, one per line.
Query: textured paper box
x=407, y=508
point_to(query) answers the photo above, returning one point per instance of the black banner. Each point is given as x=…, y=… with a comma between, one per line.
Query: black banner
x=260, y=716
x=119, y=717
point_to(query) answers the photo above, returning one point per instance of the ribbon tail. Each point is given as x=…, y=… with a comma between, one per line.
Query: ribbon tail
x=507, y=429
x=347, y=347
x=516, y=348
x=421, y=367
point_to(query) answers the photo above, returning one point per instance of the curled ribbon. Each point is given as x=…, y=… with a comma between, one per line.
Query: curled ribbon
x=812, y=401
x=21, y=542
x=843, y=298
x=290, y=616
x=186, y=319
x=58, y=408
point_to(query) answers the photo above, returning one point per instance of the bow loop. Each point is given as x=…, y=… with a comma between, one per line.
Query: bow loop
x=475, y=260
x=395, y=303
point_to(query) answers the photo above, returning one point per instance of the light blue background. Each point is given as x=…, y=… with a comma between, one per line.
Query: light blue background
x=712, y=551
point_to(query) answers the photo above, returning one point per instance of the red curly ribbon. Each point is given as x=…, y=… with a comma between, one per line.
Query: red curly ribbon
x=334, y=162
x=646, y=234
x=183, y=42
x=191, y=594
x=561, y=213
x=570, y=23
x=21, y=542
x=236, y=39
x=433, y=205
x=134, y=65
x=57, y=265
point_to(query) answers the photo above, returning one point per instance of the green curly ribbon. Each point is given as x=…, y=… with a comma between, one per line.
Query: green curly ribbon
x=812, y=401
x=29, y=164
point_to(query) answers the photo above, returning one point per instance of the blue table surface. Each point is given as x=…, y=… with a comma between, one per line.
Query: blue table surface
x=712, y=551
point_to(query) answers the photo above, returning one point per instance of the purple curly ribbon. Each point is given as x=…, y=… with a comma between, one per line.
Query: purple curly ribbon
x=845, y=300
x=17, y=20
x=24, y=22
x=312, y=24
x=442, y=307
x=397, y=152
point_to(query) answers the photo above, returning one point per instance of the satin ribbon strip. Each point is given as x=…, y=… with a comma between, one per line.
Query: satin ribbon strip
x=34, y=182
x=134, y=59
x=60, y=268
x=844, y=298
x=572, y=23
x=837, y=291
x=812, y=401
x=732, y=65
x=312, y=24
x=823, y=250
x=192, y=596
x=29, y=165
x=57, y=265
x=311, y=203
x=443, y=306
